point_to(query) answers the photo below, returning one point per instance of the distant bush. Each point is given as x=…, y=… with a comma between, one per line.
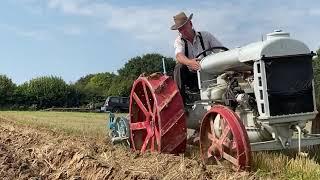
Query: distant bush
x=316, y=71
x=7, y=88
x=89, y=91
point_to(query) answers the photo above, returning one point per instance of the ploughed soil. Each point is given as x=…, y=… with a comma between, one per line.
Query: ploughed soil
x=32, y=153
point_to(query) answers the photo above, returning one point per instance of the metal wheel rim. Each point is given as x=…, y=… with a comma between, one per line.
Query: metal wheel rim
x=231, y=145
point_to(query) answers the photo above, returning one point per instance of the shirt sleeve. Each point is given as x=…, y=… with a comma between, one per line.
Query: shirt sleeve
x=179, y=46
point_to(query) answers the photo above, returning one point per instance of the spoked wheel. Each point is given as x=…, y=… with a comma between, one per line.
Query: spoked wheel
x=223, y=137
x=157, y=120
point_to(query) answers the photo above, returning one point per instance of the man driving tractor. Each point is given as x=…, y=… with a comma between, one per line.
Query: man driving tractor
x=188, y=45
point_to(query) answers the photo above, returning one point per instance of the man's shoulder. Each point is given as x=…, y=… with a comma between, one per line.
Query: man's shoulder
x=205, y=33
x=178, y=39
x=178, y=42
x=178, y=36
x=211, y=38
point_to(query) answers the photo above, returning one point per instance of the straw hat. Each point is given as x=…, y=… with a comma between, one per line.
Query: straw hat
x=180, y=20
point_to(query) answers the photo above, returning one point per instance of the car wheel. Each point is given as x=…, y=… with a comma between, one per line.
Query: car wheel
x=116, y=110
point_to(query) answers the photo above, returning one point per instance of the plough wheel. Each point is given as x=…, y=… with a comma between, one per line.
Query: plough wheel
x=157, y=120
x=223, y=137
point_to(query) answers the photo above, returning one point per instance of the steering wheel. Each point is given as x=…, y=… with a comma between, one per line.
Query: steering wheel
x=211, y=49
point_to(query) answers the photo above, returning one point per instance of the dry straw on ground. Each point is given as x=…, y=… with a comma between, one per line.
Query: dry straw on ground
x=35, y=150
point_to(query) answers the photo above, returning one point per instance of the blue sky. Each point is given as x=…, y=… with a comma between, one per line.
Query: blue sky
x=72, y=38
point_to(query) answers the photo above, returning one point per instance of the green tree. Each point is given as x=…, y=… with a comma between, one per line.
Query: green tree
x=83, y=81
x=7, y=88
x=101, y=82
x=94, y=88
x=21, y=97
x=73, y=96
x=47, y=91
x=316, y=72
x=121, y=86
x=147, y=64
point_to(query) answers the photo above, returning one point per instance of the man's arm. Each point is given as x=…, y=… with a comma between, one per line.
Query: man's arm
x=181, y=58
x=191, y=63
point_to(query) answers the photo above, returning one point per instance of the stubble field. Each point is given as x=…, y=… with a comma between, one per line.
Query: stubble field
x=66, y=145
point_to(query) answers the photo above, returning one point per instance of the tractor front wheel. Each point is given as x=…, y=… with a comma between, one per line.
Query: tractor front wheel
x=223, y=138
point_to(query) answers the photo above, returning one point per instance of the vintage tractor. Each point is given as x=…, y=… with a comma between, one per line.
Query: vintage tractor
x=254, y=98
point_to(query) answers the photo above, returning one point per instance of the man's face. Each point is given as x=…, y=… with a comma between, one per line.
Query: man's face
x=186, y=30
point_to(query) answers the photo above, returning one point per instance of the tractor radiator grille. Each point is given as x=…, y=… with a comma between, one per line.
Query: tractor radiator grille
x=289, y=84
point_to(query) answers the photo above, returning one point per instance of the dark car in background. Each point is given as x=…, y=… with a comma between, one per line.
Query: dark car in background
x=116, y=104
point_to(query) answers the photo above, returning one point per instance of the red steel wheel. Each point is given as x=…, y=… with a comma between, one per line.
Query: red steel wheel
x=157, y=120
x=224, y=137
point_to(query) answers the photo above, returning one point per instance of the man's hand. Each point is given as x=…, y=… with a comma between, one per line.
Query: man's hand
x=194, y=64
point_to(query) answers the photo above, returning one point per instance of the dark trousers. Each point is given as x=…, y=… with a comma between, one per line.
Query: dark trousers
x=185, y=79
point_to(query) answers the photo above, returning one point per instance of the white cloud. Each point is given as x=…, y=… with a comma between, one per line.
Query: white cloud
x=145, y=23
x=27, y=33
x=72, y=7
x=233, y=23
